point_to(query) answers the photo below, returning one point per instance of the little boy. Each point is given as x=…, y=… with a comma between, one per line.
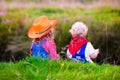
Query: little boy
x=80, y=49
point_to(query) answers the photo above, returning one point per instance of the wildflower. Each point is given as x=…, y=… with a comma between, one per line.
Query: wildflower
x=2, y=13
x=8, y=21
x=62, y=64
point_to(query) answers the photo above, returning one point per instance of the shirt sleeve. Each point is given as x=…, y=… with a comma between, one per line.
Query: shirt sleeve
x=68, y=54
x=88, y=51
x=50, y=47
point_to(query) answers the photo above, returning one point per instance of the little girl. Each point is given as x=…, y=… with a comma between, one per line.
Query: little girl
x=80, y=49
x=43, y=44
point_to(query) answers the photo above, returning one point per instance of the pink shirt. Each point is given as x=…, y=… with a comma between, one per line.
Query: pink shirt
x=50, y=47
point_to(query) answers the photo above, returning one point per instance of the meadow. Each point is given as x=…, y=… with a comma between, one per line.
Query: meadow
x=102, y=19
x=37, y=69
x=103, y=23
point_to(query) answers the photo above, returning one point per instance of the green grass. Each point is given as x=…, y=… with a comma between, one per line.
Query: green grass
x=36, y=69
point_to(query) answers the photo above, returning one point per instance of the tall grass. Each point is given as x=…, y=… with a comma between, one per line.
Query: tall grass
x=103, y=24
x=37, y=69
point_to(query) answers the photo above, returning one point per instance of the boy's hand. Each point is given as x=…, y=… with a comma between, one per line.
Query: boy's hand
x=96, y=51
x=95, y=54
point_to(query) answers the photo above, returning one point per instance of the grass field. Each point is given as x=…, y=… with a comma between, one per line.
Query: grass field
x=36, y=69
x=102, y=18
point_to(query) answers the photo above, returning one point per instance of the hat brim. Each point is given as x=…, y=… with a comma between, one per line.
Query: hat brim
x=32, y=32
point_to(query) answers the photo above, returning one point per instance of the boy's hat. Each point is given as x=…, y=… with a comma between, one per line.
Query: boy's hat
x=41, y=26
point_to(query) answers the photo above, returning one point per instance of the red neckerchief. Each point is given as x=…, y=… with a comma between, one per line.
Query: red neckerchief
x=76, y=44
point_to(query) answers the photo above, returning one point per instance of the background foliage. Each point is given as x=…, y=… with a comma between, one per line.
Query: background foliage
x=101, y=17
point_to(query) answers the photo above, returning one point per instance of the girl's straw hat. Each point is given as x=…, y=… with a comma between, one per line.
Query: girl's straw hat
x=41, y=26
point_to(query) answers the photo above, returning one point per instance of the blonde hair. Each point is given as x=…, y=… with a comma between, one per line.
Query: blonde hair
x=50, y=34
x=79, y=29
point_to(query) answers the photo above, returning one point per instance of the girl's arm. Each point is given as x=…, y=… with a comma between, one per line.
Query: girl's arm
x=50, y=47
x=31, y=46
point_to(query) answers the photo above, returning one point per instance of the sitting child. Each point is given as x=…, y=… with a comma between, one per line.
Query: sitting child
x=43, y=44
x=80, y=49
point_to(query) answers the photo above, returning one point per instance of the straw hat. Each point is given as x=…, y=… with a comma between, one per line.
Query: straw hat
x=41, y=26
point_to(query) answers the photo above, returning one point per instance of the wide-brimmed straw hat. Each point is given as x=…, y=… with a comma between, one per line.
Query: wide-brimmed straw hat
x=41, y=26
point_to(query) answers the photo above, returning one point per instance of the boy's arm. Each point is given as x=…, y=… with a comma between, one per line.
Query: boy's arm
x=94, y=54
x=68, y=55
